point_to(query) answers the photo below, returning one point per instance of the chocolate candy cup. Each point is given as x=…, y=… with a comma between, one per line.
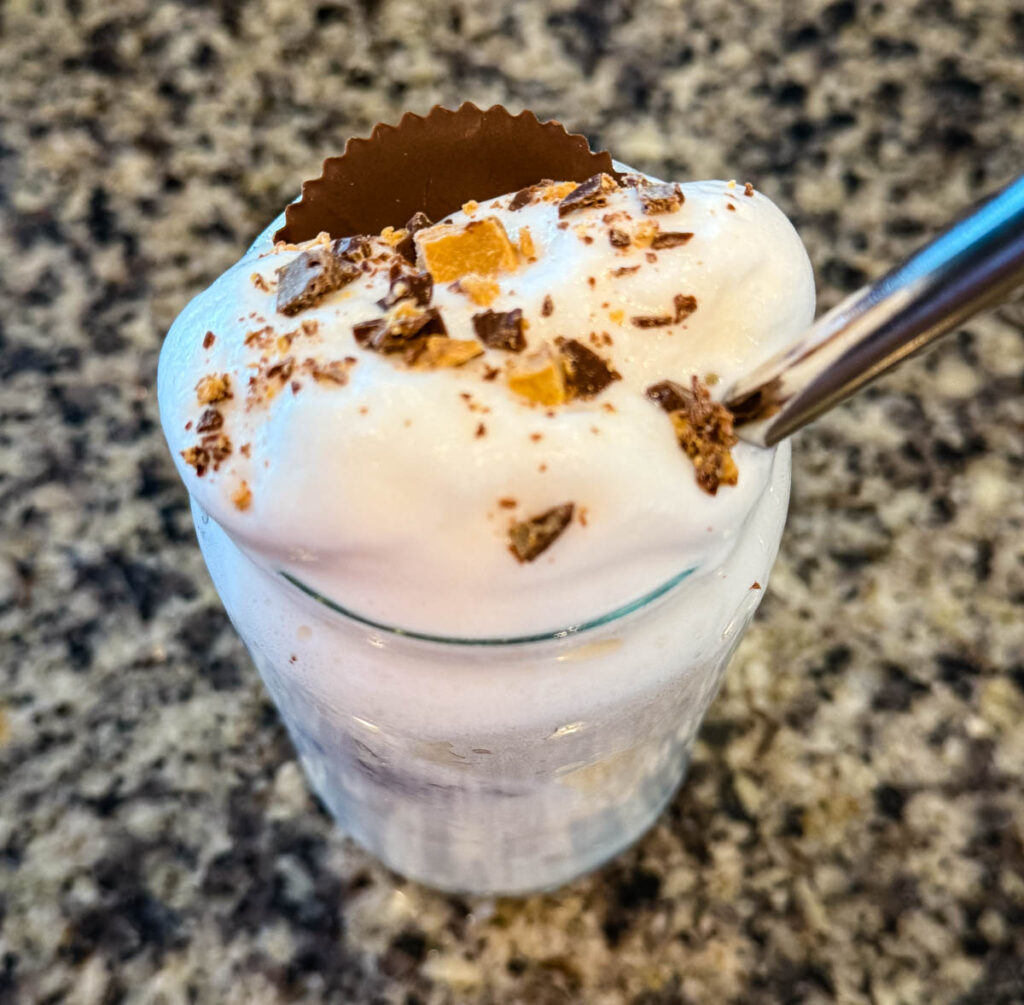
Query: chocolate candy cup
x=433, y=164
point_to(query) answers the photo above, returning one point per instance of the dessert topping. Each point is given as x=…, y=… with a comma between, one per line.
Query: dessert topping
x=704, y=429
x=418, y=286
x=213, y=388
x=586, y=373
x=320, y=270
x=538, y=377
x=661, y=198
x=547, y=308
x=407, y=246
x=481, y=291
x=593, y=192
x=501, y=329
x=436, y=351
x=670, y=239
x=530, y=538
x=527, y=195
x=395, y=332
x=481, y=246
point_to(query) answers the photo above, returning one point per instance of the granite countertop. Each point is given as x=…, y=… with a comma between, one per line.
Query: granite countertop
x=853, y=826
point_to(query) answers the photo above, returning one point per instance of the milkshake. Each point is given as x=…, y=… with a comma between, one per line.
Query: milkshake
x=465, y=490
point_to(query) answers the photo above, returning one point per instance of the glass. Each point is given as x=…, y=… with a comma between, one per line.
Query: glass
x=499, y=765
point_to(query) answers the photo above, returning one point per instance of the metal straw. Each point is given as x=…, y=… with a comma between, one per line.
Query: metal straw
x=974, y=263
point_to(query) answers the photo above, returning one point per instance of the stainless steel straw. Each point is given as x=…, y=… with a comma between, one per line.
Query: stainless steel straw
x=974, y=263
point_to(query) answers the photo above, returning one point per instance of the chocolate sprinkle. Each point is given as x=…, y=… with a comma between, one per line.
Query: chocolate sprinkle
x=547, y=308
x=670, y=239
x=586, y=373
x=310, y=276
x=593, y=192
x=208, y=339
x=618, y=238
x=661, y=198
x=530, y=538
x=501, y=329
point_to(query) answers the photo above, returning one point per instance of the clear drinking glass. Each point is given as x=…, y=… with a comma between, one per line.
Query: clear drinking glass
x=499, y=766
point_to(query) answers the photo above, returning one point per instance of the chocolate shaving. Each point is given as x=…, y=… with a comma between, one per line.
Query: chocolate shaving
x=704, y=429
x=312, y=274
x=670, y=239
x=208, y=339
x=527, y=195
x=417, y=286
x=501, y=329
x=593, y=192
x=210, y=421
x=547, y=308
x=661, y=198
x=530, y=538
x=586, y=373
x=281, y=370
x=618, y=238
x=625, y=270
x=396, y=334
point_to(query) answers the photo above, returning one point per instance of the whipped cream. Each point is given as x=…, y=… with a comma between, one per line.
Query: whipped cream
x=390, y=489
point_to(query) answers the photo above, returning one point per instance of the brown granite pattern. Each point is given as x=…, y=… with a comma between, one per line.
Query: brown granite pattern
x=853, y=827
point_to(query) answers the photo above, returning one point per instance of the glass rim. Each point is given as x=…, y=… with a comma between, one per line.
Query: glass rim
x=622, y=611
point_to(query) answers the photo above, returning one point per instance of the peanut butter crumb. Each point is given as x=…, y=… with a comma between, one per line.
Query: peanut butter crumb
x=507, y=503
x=644, y=233
x=526, y=246
x=470, y=207
x=260, y=283
x=481, y=291
x=441, y=351
x=242, y=496
x=213, y=388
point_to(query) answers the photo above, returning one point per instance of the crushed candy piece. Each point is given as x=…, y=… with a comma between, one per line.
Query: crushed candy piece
x=685, y=304
x=213, y=388
x=417, y=286
x=481, y=291
x=670, y=239
x=501, y=329
x=704, y=429
x=210, y=421
x=242, y=496
x=314, y=273
x=527, y=195
x=335, y=371
x=547, y=307
x=538, y=377
x=661, y=198
x=407, y=246
x=618, y=238
x=593, y=192
x=481, y=247
x=748, y=189
x=527, y=248
x=438, y=351
x=645, y=232
x=586, y=373
x=530, y=538
x=208, y=339
x=395, y=332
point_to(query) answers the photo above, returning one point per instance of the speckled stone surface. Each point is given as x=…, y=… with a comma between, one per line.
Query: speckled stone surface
x=853, y=827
